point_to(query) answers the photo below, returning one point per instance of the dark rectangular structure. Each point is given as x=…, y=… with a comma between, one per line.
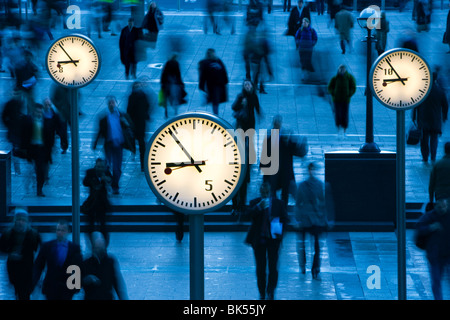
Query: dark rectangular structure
x=363, y=187
x=5, y=183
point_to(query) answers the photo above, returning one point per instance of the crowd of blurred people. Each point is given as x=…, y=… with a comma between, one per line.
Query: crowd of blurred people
x=33, y=125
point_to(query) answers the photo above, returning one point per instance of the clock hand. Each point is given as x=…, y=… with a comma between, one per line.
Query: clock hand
x=385, y=81
x=395, y=72
x=65, y=62
x=184, y=164
x=185, y=151
x=67, y=55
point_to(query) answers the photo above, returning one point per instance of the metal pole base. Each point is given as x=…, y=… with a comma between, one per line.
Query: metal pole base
x=369, y=147
x=196, y=257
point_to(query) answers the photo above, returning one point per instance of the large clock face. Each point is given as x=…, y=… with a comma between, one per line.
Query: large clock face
x=194, y=164
x=73, y=61
x=401, y=79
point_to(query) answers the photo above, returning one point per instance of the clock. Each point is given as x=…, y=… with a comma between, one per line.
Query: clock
x=400, y=79
x=73, y=61
x=194, y=164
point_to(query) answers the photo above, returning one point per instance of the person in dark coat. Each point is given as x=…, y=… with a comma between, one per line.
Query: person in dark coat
x=127, y=45
x=20, y=243
x=254, y=13
x=423, y=15
x=439, y=184
x=284, y=178
x=213, y=79
x=296, y=17
x=60, y=97
x=244, y=108
x=39, y=139
x=312, y=217
x=26, y=73
x=115, y=129
x=342, y=87
x=446, y=38
x=153, y=22
x=435, y=225
x=139, y=111
x=306, y=39
x=57, y=255
x=264, y=240
x=101, y=275
x=172, y=85
x=430, y=115
x=98, y=180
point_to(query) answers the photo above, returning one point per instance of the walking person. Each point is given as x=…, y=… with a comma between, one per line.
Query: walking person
x=381, y=34
x=298, y=13
x=306, y=39
x=446, y=38
x=127, y=45
x=20, y=243
x=97, y=205
x=213, y=79
x=114, y=129
x=342, y=87
x=439, y=184
x=423, y=15
x=139, y=109
x=60, y=97
x=312, y=217
x=435, y=225
x=244, y=108
x=56, y=256
x=254, y=14
x=269, y=219
x=152, y=23
x=344, y=22
x=102, y=278
x=430, y=115
x=172, y=86
x=286, y=5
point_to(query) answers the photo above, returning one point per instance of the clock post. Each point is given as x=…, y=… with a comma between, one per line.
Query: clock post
x=75, y=137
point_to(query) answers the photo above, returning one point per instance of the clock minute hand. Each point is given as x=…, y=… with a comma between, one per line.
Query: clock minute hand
x=400, y=78
x=184, y=164
x=185, y=151
x=68, y=55
x=66, y=62
x=386, y=81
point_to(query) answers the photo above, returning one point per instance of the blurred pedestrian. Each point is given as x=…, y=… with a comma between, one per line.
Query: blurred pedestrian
x=101, y=275
x=306, y=39
x=107, y=15
x=20, y=243
x=152, y=23
x=320, y=5
x=344, y=22
x=296, y=16
x=26, y=78
x=435, y=226
x=228, y=16
x=114, y=129
x=284, y=178
x=381, y=33
x=429, y=116
x=244, y=108
x=269, y=220
x=60, y=97
x=254, y=14
x=56, y=256
x=423, y=15
x=256, y=56
x=286, y=5
x=39, y=138
x=342, y=87
x=213, y=79
x=312, y=217
x=446, y=38
x=51, y=114
x=139, y=109
x=127, y=45
x=97, y=205
x=172, y=85
x=439, y=184
x=212, y=8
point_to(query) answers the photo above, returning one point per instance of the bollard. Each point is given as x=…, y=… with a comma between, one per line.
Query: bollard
x=5, y=183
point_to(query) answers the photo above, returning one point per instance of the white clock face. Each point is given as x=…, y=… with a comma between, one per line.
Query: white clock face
x=194, y=164
x=73, y=61
x=401, y=79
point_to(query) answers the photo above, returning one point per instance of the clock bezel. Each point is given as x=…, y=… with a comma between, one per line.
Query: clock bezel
x=219, y=204
x=376, y=63
x=85, y=38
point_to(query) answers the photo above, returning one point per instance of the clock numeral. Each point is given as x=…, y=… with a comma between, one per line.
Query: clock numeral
x=209, y=186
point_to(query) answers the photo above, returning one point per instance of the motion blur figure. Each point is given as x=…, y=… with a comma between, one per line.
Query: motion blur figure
x=20, y=242
x=101, y=275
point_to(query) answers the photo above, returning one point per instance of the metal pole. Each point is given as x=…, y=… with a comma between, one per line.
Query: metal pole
x=196, y=257
x=401, y=220
x=74, y=128
x=369, y=145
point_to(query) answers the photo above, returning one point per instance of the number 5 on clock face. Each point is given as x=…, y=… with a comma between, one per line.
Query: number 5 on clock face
x=194, y=164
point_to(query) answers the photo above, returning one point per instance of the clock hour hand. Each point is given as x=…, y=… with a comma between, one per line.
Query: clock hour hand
x=386, y=81
x=68, y=55
x=184, y=164
x=66, y=62
x=185, y=151
x=400, y=78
